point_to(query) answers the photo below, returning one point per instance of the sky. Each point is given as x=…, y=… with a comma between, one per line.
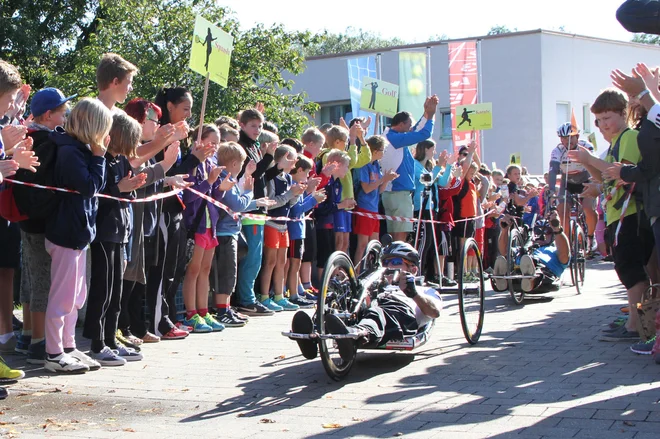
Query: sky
x=426, y=18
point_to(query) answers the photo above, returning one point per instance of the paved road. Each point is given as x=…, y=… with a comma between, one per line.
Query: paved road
x=538, y=371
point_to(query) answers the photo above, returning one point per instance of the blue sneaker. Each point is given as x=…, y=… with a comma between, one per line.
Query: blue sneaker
x=271, y=305
x=198, y=324
x=23, y=343
x=286, y=305
x=213, y=323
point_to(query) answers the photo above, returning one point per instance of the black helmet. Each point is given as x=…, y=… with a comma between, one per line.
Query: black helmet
x=400, y=249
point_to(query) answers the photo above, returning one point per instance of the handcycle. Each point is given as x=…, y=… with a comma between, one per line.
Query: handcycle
x=348, y=296
x=523, y=240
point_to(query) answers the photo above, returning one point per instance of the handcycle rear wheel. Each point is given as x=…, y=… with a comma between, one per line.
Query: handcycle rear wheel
x=471, y=293
x=513, y=249
x=339, y=294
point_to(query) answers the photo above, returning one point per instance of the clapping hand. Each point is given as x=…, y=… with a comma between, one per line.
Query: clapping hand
x=329, y=168
x=202, y=152
x=312, y=184
x=298, y=189
x=130, y=182
x=8, y=168
x=250, y=167
x=181, y=130
x=227, y=183
x=24, y=156
x=632, y=85
x=613, y=172
x=580, y=155
x=214, y=174
x=178, y=181
x=390, y=175
x=264, y=202
x=320, y=196
x=12, y=136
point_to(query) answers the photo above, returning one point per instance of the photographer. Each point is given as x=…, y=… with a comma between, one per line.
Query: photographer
x=398, y=312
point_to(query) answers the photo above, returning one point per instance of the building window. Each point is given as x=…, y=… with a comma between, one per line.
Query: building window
x=446, y=124
x=586, y=118
x=563, y=113
x=332, y=113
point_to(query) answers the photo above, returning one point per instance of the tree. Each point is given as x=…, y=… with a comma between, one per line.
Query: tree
x=351, y=40
x=156, y=35
x=646, y=39
x=500, y=29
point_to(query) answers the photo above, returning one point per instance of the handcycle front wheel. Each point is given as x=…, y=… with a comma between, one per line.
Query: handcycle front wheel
x=471, y=292
x=513, y=249
x=339, y=294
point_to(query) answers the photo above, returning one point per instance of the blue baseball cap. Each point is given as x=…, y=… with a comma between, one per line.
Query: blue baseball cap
x=47, y=99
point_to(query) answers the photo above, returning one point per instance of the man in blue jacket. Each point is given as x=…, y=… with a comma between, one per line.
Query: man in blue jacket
x=403, y=133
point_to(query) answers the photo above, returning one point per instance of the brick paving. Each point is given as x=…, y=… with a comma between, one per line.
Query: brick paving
x=538, y=371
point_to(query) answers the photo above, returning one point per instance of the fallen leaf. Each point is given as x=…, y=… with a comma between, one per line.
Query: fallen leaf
x=329, y=397
x=185, y=390
x=130, y=430
x=266, y=421
x=145, y=366
x=281, y=357
x=358, y=419
x=111, y=391
x=628, y=423
x=69, y=392
x=240, y=415
x=331, y=426
x=56, y=390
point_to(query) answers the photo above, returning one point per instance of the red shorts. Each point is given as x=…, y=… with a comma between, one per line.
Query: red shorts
x=363, y=225
x=273, y=238
x=206, y=240
x=479, y=237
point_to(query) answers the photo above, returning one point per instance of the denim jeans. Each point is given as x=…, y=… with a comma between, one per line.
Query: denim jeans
x=251, y=264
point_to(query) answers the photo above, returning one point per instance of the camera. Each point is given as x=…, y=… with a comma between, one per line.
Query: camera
x=426, y=179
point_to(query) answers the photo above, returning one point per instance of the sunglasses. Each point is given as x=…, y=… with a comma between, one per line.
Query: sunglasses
x=393, y=261
x=463, y=154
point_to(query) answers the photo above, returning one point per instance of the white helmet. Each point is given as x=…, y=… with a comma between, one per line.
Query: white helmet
x=567, y=129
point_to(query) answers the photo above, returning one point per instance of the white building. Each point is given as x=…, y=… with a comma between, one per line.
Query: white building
x=533, y=79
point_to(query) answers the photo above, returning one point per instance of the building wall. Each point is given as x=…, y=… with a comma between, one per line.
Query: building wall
x=576, y=69
x=524, y=75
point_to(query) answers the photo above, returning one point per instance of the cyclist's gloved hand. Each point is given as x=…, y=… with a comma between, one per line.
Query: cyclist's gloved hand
x=407, y=284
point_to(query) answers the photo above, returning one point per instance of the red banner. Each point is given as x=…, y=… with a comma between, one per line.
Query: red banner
x=463, y=79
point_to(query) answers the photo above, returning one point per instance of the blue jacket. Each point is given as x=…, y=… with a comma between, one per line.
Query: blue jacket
x=194, y=202
x=443, y=181
x=398, y=156
x=279, y=190
x=325, y=211
x=76, y=168
x=300, y=206
x=237, y=202
x=114, y=220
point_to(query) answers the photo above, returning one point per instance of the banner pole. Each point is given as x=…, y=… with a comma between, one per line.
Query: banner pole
x=480, y=98
x=428, y=71
x=201, y=117
x=379, y=73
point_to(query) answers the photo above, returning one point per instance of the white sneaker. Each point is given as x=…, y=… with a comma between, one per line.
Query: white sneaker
x=108, y=357
x=500, y=269
x=128, y=354
x=65, y=363
x=85, y=359
x=527, y=268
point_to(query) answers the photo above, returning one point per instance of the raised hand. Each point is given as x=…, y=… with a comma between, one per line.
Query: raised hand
x=313, y=183
x=265, y=202
x=271, y=147
x=260, y=107
x=178, y=181
x=580, y=155
x=202, y=152
x=250, y=167
x=613, y=172
x=320, y=196
x=442, y=158
x=130, y=182
x=347, y=204
x=329, y=168
x=227, y=183
x=390, y=175
x=248, y=182
x=8, y=168
x=12, y=136
x=181, y=130
x=298, y=189
x=342, y=123
x=25, y=157
x=214, y=174
x=591, y=190
x=651, y=79
x=164, y=134
x=171, y=154
x=633, y=85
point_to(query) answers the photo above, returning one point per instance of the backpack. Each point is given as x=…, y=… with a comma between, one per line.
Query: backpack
x=8, y=208
x=36, y=203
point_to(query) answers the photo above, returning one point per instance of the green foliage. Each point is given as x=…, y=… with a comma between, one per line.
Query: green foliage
x=500, y=29
x=63, y=40
x=351, y=40
x=646, y=39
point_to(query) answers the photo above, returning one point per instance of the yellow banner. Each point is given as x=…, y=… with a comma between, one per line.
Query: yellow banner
x=211, y=51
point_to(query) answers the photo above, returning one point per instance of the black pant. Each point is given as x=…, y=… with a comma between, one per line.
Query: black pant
x=164, y=278
x=131, y=317
x=391, y=319
x=104, y=299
